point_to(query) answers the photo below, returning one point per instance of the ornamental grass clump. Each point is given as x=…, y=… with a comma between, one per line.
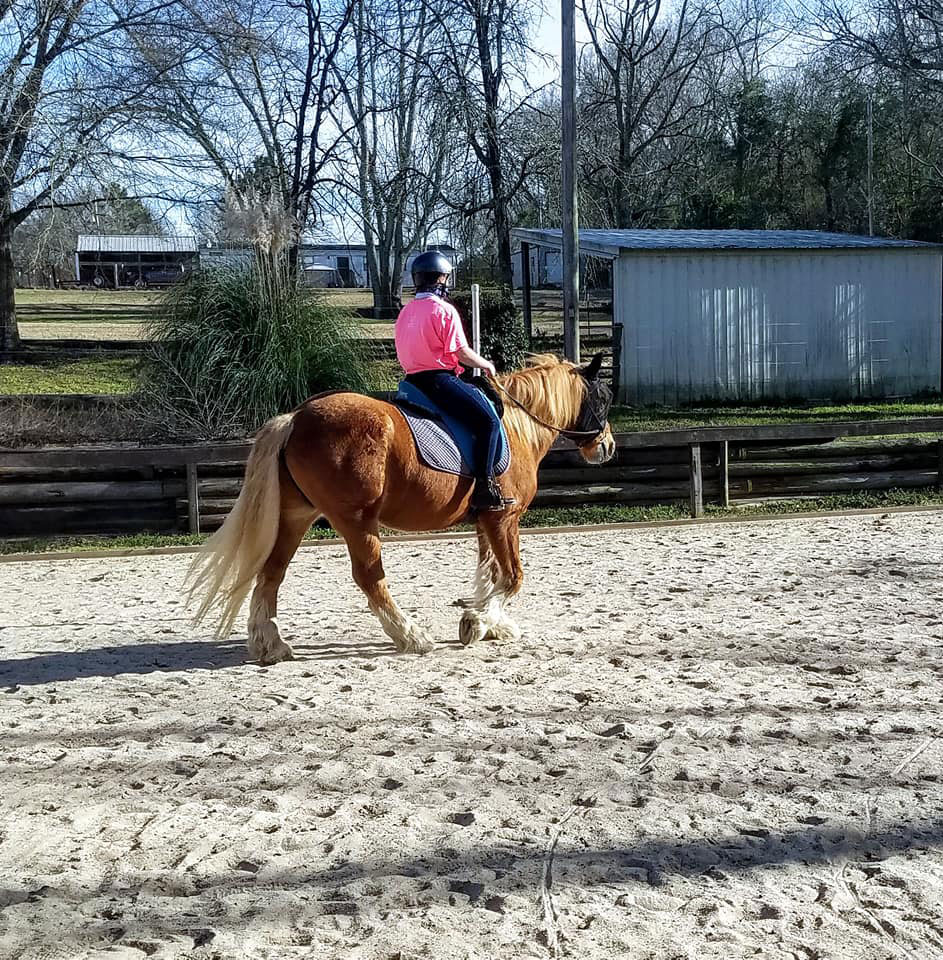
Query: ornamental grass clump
x=232, y=346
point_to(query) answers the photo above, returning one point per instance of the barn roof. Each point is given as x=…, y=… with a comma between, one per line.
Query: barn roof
x=130, y=243
x=610, y=243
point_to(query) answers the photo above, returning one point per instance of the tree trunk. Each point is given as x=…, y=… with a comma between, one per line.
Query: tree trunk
x=9, y=335
x=384, y=302
x=384, y=295
x=502, y=229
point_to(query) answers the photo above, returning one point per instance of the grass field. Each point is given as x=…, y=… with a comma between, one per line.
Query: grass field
x=630, y=419
x=84, y=306
x=118, y=314
x=116, y=376
x=112, y=375
x=540, y=517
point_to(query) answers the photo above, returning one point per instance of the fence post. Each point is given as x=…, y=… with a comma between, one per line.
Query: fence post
x=476, y=322
x=527, y=300
x=193, y=498
x=617, y=361
x=724, y=473
x=697, y=481
x=939, y=464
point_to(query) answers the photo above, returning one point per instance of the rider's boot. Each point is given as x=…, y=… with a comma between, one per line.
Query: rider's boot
x=487, y=496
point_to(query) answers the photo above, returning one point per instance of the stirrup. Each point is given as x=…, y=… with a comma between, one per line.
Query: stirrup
x=487, y=497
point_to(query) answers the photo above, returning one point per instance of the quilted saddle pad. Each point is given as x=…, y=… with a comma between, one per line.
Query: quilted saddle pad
x=443, y=442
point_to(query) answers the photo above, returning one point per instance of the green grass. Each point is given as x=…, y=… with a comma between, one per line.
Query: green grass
x=133, y=306
x=116, y=376
x=135, y=541
x=601, y=513
x=113, y=375
x=385, y=374
x=631, y=419
x=539, y=517
x=84, y=306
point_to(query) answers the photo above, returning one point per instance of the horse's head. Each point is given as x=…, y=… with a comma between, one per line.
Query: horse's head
x=594, y=414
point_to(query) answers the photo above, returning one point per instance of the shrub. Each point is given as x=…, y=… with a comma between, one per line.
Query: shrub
x=234, y=346
x=503, y=340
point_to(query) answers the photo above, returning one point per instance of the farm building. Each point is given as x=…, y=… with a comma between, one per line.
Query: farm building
x=322, y=264
x=350, y=262
x=755, y=314
x=126, y=261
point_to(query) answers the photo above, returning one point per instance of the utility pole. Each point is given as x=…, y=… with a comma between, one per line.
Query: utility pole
x=571, y=238
x=870, y=166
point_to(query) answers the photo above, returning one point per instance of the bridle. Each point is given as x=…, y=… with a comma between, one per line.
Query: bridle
x=586, y=436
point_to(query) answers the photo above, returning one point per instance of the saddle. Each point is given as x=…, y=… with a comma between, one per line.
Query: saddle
x=442, y=441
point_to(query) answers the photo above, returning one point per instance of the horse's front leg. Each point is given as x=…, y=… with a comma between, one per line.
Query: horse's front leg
x=498, y=577
x=367, y=565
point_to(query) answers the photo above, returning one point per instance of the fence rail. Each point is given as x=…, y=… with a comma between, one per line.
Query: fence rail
x=60, y=491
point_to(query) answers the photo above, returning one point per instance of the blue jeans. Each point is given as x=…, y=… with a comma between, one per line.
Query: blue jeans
x=466, y=403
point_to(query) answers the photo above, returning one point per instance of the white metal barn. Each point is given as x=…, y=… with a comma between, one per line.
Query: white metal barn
x=750, y=314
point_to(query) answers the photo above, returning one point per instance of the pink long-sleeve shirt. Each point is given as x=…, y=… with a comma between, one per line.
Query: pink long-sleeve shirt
x=429, y=335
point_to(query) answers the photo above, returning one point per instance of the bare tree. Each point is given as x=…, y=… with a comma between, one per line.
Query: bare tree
x=255, y=94
x=400, y=141
x=643, y=79
x=66, y=91
x=46, y=242
x=487, y=48
x=902, y=36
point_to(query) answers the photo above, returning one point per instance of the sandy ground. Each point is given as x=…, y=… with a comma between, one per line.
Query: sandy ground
x=713, y=742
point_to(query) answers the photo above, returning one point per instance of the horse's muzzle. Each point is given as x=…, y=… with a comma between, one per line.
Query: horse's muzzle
x=601, y=450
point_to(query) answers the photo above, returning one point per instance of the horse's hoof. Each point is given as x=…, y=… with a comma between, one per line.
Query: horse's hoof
x=417, y=641
x=471, y=628
x=282, y=651
x=505, y=631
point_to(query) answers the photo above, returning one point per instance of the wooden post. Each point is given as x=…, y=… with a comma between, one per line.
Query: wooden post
x=526, y=282
x=476, y=322
x=617, y=361
x=697, y=481
x=193, y=498
x=571, y=238
x=939, y=464
x=724, y=461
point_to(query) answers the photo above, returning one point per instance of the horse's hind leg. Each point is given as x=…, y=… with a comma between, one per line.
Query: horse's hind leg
x=297, y=515
x=367, y=565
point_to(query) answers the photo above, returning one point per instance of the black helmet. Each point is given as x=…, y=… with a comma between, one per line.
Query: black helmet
x=427, y=268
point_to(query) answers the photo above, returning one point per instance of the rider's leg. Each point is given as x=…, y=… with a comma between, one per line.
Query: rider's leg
x=468, y=404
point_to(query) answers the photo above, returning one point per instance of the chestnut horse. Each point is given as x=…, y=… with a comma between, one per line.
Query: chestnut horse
x=351, y=459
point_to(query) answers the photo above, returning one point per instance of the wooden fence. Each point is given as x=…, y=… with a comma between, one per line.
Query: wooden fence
x=106, y=490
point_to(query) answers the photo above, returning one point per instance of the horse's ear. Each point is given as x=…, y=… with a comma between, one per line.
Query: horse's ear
x=591, y=372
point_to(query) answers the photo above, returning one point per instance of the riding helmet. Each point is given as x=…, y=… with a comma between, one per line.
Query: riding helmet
x=428, y=267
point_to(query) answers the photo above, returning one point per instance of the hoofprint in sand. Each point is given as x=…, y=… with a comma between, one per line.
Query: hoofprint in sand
x=714, y=741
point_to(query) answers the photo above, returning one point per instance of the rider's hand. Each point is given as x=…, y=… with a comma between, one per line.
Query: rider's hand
x=489, y=369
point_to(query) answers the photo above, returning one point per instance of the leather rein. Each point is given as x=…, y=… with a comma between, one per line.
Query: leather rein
x=574, y=435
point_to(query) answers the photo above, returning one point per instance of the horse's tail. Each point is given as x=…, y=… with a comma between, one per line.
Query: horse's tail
x=225, y=568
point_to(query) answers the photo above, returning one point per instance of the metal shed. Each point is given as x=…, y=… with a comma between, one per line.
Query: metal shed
x=754, y=314
x=132, y=260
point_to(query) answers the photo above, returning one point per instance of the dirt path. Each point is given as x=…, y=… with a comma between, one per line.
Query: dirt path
x=712, y=742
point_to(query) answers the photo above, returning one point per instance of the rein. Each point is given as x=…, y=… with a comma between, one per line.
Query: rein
x=574, y=435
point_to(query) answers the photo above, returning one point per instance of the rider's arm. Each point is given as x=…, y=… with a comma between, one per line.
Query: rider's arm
x=468, y=358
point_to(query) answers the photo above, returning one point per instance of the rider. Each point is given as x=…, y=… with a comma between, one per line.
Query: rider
x=432, y=348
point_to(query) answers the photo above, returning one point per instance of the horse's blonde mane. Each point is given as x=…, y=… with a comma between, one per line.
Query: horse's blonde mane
x=549, y=388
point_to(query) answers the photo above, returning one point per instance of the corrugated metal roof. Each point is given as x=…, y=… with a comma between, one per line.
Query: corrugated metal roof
x=121, y=243
x=610, y=243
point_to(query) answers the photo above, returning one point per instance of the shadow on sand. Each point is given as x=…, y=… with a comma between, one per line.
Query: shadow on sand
x=56, y=666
